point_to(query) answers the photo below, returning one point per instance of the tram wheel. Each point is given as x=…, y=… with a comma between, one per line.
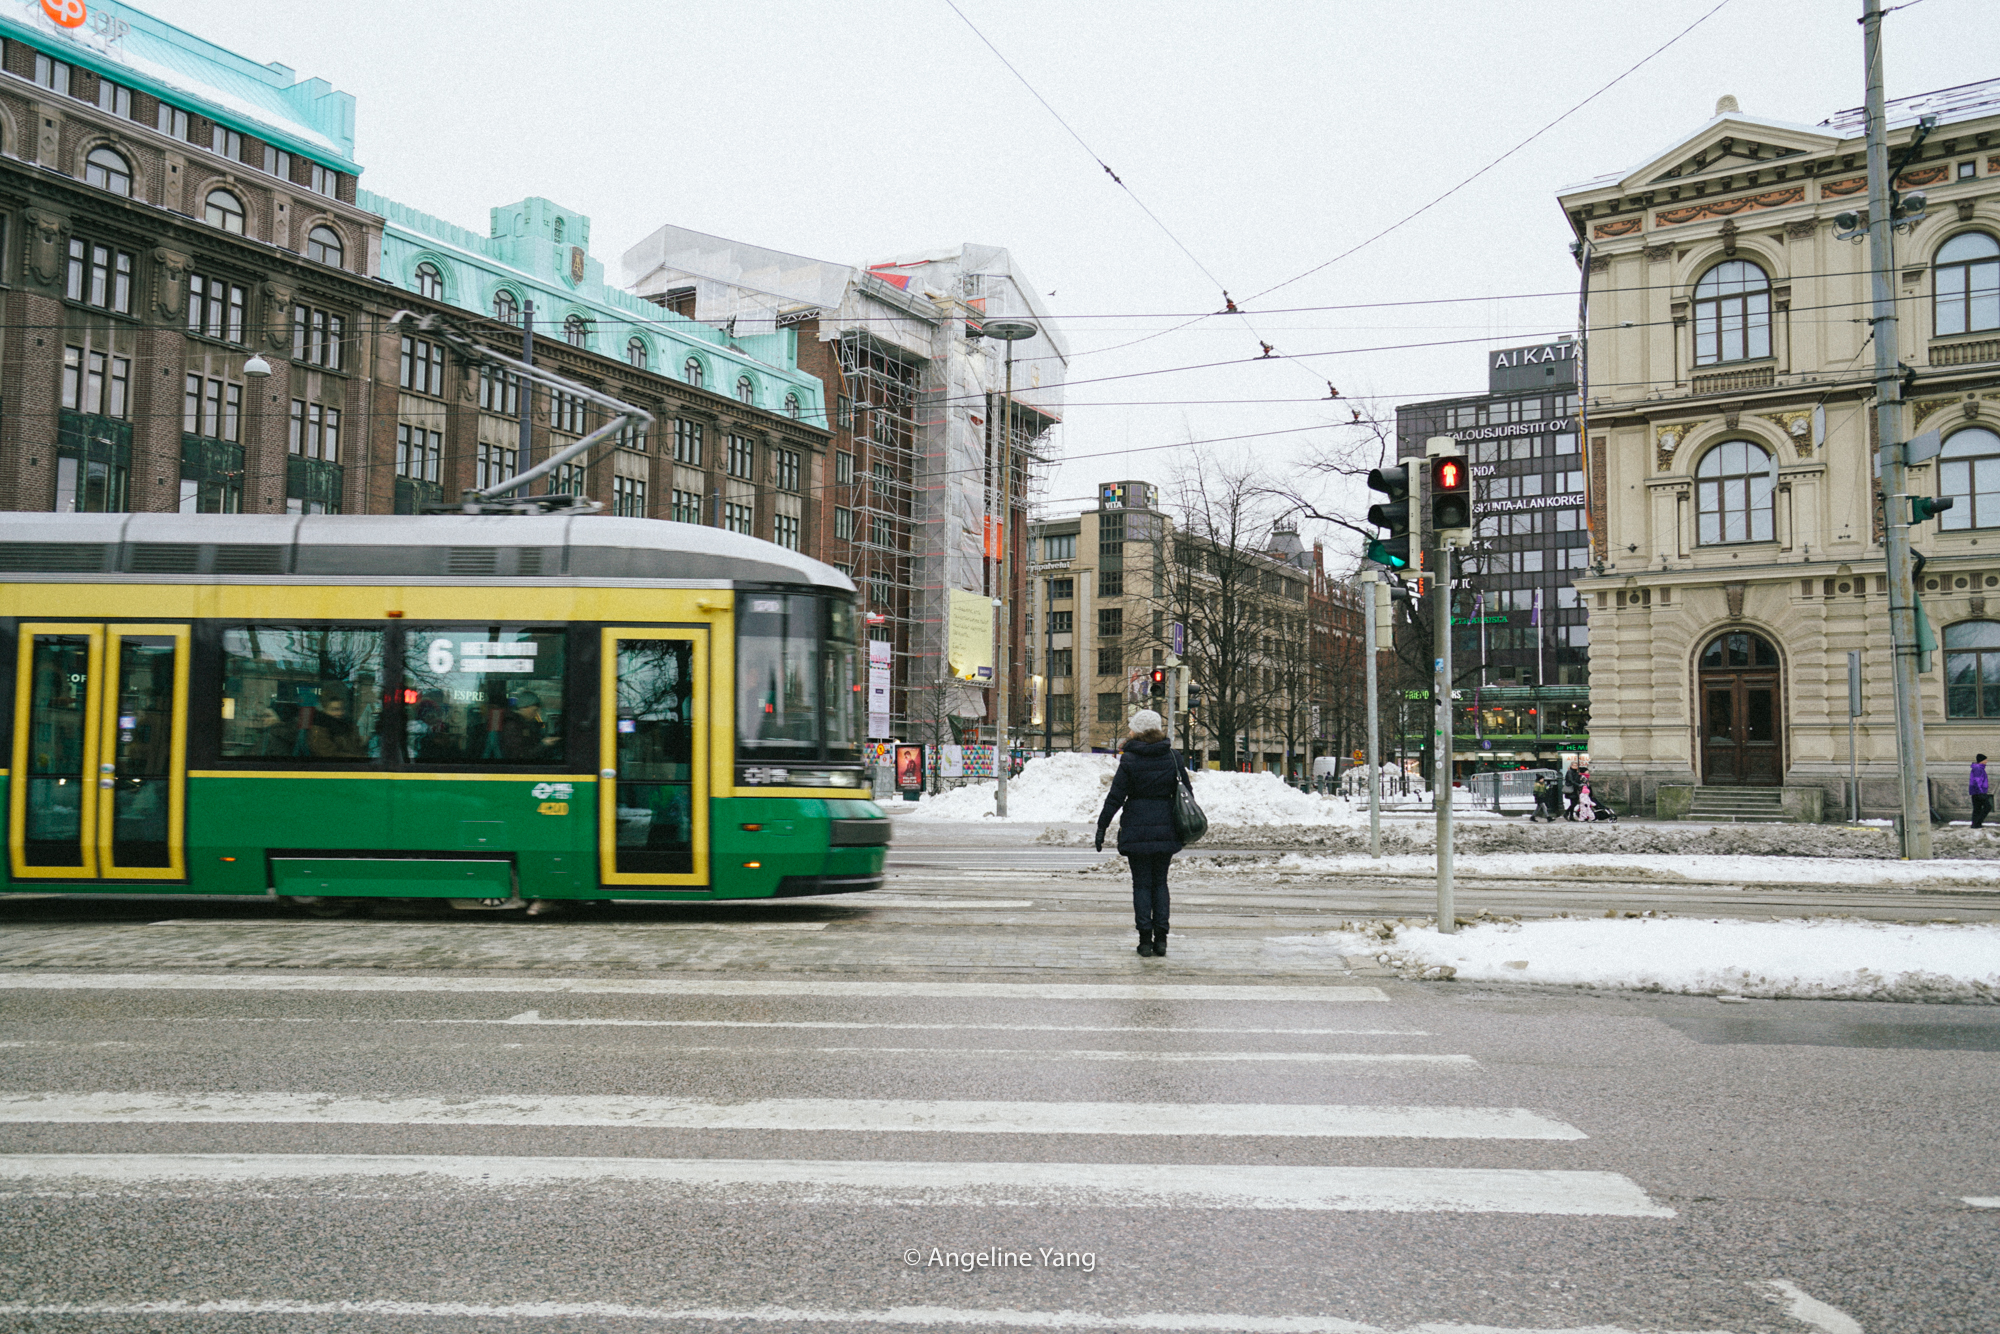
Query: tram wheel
x=313, y=906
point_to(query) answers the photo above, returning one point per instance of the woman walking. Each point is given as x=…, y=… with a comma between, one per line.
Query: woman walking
x=1148, y=769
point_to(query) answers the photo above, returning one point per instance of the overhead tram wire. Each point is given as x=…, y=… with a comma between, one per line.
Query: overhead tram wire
x=1418, y=212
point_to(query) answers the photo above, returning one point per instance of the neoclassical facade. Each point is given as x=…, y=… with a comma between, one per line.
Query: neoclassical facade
x=1737, y=553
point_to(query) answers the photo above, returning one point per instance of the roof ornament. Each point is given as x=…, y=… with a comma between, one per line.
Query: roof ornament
x=1725, y=105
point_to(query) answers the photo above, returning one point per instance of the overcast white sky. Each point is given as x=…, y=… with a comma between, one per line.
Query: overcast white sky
x=1268, y=137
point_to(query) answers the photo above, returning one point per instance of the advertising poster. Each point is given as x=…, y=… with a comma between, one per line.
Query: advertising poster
x=879, y=659
x=971, y=650
x=910, y=768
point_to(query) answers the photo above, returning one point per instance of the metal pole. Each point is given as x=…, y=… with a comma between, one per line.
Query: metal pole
x=1371, y=631
x=1001, y=750
x=1441, y=697
x=1913, y=781
x=1853, y=712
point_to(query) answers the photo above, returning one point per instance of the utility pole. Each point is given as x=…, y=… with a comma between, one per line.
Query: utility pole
x=1448, y=489
x=1010, y=332
x=1915, y=821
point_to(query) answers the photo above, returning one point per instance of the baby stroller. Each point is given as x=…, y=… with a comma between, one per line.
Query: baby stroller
x=1587, y=809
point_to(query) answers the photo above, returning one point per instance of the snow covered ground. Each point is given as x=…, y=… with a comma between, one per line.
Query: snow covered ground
x=1819, y=959
x=1070, y=788
x=1696, y=869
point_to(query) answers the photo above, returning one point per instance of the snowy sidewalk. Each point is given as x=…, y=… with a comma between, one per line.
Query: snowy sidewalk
x=1820, y=960
x=1855, y=872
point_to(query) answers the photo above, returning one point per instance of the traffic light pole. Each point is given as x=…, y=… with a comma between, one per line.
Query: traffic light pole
x=1913, y=781
x=1441, y=697
x=1371, y=633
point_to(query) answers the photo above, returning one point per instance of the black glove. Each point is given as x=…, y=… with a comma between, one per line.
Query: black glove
x=1100, y=840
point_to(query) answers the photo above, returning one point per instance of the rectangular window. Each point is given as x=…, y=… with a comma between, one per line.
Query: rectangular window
x=301, y=694
x=1062, y=622
x=99, y=275
x=323, y=180
x=846, y=418
x=632, y=437
x=216, y=308
x=1062, y=661
x=477, y=695
x=737, y=518
x=228, y=143
x=628, y=497
x=566, y=413
x=52, y=74
x=1110, y=659
x=1111, y=583
x=785, y=530
x=496, y=464
x=741, y=456
x=1110, y=622
x=318, y=337
x=1059, y=546
x=315, y=431
x=499, y=391
x=96, y=382
x=843, y=524
x=1061, y=590
x=423, y=366
x=419, y=452
x=787, y=463
x=843, y=467
x=1569, y=521
x=687, y=442
x=72, y=385
x=115, y=98
x=1111, y=708
x=278, y=162
x=880, y=533
x=172, y=121
x=687, y=507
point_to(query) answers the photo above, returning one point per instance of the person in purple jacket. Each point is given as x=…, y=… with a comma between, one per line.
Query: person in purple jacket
x=1982, y=796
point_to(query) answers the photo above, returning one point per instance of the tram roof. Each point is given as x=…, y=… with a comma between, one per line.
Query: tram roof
x=392, y=548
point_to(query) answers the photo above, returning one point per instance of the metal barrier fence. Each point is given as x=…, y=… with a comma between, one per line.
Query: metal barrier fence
x=1507, y=789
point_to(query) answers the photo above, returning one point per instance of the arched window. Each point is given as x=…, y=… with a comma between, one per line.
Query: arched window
x=1972, y=669
x=1732, y=485
x=225, y=210
x=107, y=169
x=1967, y=286
x=791, y=405
x=1969, y=472
x=1732, y=314
x=745, y=391
x=576, y=331
x=692, y=371
x=324, y=246
x=430, y=282
x=635, y=352
x=1727, y=651
x=505, y=308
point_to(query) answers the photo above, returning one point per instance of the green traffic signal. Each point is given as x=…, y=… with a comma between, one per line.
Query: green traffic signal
x=1923, y=508
x=1394, y=552
x=1393, y=548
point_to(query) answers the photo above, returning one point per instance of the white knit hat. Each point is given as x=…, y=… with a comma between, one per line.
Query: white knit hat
x=1145, y=720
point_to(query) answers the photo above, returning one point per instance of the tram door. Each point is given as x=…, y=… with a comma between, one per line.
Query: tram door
x=99, y=786
x=653, y=771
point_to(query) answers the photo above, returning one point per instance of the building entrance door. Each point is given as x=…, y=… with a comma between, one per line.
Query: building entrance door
x=1742, y=739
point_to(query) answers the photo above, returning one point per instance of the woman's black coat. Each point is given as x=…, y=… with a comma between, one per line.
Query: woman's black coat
x=1144, y=787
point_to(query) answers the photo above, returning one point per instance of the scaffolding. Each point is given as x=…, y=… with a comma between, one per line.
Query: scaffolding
x=884, y=387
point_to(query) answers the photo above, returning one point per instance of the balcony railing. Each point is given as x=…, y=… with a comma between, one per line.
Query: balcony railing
x=1965, y=354
x=1731, y=382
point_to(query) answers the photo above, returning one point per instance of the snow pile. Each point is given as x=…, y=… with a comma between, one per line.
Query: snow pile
x=1069, y=789
x=1938, y=873
x=1066, y=788
x=1818, y=960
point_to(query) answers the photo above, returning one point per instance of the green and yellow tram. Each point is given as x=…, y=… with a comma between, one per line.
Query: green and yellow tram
x=492, y=710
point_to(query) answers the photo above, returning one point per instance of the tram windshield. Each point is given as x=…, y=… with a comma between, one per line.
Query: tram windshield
x=797, y=680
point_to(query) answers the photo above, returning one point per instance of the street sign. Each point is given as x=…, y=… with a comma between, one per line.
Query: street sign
x=1177, y=639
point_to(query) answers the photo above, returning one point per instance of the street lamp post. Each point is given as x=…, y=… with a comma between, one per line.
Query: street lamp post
x=1010, y=332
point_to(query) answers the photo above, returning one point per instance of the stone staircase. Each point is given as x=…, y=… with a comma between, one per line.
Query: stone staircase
x=1739, y=805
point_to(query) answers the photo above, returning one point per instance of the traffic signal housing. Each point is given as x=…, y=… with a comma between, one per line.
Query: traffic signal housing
x=1451, y=494
x=1159, y=686
x=1392, y=549
x=1925, y=508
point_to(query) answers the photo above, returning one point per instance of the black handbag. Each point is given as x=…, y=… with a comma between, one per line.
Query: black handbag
x=1190, y=822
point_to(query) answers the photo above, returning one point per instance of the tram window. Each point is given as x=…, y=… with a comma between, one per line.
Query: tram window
x=483, y=694
x=777, y=676
x=301, y=693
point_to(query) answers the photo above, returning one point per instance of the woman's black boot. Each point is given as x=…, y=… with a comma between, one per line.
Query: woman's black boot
x=1160, y=943
x=1145, y=944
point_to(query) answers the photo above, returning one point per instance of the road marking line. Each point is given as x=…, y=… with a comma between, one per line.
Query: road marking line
x=868, y=1115
x=533, y=1018
x=289, y=925
x=1982, y=1201
x=918, y=1316
x=647, y=986
x=1077, y=1185
x=1811, y=1311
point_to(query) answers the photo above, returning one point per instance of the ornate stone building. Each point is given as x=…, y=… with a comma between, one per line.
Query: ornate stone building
x=1737, y=547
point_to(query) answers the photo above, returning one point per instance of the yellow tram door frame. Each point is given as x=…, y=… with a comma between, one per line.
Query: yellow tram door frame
x=97, y=777
x=696, y=876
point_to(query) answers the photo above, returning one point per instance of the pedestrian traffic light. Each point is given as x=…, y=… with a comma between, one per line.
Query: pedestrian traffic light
x=1193, y=697
x=1925, y=508
x=1451, y=494
x=1159, y=687
x=1392, y=549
